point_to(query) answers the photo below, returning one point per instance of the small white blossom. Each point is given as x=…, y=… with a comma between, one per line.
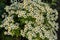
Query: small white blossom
x=38, y=20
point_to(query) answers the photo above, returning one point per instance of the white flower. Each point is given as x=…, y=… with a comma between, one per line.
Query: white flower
x=44, y=15
x=22, y=33
x=29, y=35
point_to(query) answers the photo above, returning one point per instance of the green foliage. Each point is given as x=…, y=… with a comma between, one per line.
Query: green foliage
x=51, y=2
x=16, y=32
x=2, y=5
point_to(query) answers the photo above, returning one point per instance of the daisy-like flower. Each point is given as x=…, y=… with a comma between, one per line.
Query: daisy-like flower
x=32, y=19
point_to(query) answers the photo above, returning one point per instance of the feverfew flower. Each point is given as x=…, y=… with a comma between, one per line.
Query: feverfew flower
x=32, y=19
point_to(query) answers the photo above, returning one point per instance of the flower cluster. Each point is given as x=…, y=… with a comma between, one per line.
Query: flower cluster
x=31, y=19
